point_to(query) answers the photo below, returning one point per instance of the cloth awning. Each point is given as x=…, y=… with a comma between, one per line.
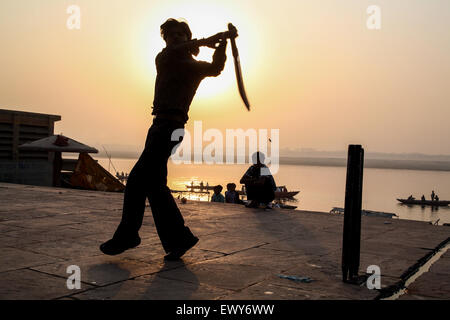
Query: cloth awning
x=57, y=143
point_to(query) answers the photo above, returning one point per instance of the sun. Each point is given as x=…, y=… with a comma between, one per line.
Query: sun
x=206, y=18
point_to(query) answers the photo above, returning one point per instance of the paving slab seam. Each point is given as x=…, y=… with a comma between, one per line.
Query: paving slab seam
x=238, y=290
x=319, y=255
x=18, y=269
x=70, y=296
x=56, y=276
x=254, y=284
x=41, y=254
x=234, y=252
x=171, y=268
x=95, y=286
x=14, y=246
x=374, y=236
x=212, y=234
x=219, y=287
x=161, y=275
x=246, y=287
x=35, y=265
x=35, y=219
x=392, y=290
x=73, y=295
x=184, y=263
x=4, y=223
x=213, y=251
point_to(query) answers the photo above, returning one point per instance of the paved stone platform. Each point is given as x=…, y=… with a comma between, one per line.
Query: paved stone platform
x=432, y=285
x=240, y=255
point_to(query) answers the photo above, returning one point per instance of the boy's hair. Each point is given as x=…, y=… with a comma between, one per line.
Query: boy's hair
x=218, y=188
x=170, y=24
x=231, y=186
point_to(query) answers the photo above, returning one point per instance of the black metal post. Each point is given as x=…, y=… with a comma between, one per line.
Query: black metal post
x=352, y=214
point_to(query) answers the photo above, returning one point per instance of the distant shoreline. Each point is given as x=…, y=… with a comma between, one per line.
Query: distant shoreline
x=426, y=165
x=430, y=165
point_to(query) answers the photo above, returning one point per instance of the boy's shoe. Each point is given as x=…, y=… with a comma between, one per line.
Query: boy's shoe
x=267, y=205
x=113, y=246
x=252, y=204
x=178, y=252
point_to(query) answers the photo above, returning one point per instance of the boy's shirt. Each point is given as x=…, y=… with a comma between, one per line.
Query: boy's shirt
x=178, y=77
x=231, y=197
x=217, y=198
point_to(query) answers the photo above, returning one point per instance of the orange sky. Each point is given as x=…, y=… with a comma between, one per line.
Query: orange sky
x=311, y=69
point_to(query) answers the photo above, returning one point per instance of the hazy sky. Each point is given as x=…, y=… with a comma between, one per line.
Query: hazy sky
x=311, y=69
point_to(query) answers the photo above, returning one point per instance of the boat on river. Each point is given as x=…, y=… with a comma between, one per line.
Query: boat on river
x=433, y=203
x=369, y=213
x=280, y=193
x=200, y=187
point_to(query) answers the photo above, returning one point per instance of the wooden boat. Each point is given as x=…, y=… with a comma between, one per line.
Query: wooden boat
x=369, y=213
x=286, y=206
x=199, y=187
x=285, y=194
x=276, y=205
x=440, y=203
x=281, y=193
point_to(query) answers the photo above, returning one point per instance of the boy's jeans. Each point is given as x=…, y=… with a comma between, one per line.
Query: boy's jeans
x=148, y=179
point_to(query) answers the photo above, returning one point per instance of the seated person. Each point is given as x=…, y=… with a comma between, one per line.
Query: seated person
x=423, y=198
x=260, y=186
x=231, y=196
x=217, y=196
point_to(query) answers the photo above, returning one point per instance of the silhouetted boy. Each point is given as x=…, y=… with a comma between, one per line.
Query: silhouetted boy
x=217, y=196
x=178, y=77
x=231, y=195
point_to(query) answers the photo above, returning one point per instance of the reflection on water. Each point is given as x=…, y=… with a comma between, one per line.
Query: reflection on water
x=322, y=188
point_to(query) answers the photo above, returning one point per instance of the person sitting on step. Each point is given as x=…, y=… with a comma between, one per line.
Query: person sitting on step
x=259, y=183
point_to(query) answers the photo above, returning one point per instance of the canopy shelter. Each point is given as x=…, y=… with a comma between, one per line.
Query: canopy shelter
x=58, y=144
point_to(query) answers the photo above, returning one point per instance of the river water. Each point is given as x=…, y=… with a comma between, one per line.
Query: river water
x=322, y=188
